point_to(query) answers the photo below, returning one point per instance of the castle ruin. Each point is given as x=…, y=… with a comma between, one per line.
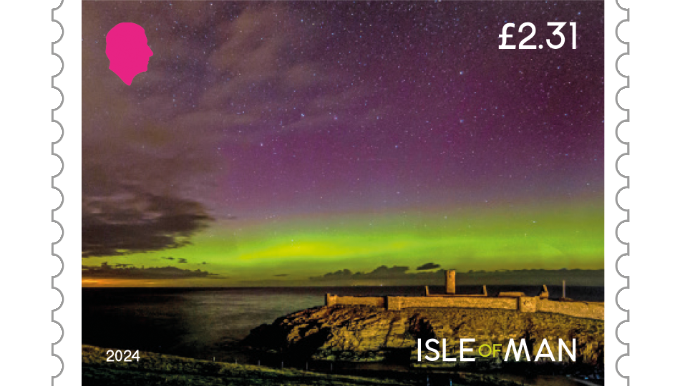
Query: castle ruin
x=516, y=301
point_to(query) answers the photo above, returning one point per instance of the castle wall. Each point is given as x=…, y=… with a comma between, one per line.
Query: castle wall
x=527, y=303
x=372, y=301
x=400, y=302
x=589, y=310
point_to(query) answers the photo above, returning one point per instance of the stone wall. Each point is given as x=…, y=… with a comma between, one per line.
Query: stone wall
x=401, y=302
x=528, y=304
x=372, y=301
x=591, y=310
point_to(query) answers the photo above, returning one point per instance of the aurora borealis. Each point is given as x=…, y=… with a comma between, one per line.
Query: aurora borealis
x=269, y=143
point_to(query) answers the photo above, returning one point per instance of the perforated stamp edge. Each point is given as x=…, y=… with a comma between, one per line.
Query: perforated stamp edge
x=626, y=211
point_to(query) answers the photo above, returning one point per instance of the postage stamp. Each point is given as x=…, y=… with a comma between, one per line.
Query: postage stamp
x=349, y=193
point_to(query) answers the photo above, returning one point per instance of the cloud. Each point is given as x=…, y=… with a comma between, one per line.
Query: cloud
x=382, y=272
x=164, y=140
x=182, y=261
x=398, y=275
x=105, y=271
x=167, y=258
x=428, y=266
x=134, y=222
x=230, y=83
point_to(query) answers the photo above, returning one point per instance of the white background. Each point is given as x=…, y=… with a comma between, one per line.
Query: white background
x=656, y=132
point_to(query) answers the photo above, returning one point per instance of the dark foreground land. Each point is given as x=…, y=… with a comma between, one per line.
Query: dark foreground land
x=158, y=369
x=372, y=334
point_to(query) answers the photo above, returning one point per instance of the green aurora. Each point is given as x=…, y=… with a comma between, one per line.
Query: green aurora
x=294, y=249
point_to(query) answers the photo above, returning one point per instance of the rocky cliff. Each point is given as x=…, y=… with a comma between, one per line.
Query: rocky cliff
x=371, y=334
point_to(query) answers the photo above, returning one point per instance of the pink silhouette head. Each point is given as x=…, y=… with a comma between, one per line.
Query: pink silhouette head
x=128, y=51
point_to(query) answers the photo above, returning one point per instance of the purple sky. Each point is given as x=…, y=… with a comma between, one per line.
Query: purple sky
x=265, y=111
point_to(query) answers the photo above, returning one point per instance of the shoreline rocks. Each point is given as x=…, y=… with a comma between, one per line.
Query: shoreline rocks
x=369, y=334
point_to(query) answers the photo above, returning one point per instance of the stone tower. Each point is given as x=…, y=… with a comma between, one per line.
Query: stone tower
x=450, y=281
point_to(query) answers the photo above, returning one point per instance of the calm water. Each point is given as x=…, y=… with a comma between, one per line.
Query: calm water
x=205, y=323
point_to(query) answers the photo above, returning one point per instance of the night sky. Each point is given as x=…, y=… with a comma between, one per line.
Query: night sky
x=272, y=143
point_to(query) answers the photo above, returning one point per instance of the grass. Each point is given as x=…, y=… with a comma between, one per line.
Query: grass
x=169, y=370
x=160, y=369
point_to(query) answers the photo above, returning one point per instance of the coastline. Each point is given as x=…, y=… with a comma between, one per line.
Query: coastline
x=352, y=349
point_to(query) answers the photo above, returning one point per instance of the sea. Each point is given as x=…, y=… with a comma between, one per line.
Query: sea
x=209, y=323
